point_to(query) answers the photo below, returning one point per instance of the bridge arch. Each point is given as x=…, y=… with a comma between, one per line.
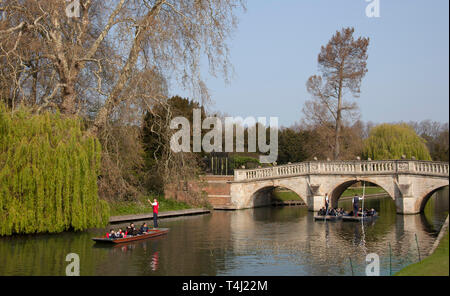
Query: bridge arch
x=336, y=192
x=262, y=195
x=422, y=201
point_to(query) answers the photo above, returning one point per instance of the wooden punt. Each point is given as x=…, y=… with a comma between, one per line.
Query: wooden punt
x=130, y=238
x=327, y=218
x=359, y=219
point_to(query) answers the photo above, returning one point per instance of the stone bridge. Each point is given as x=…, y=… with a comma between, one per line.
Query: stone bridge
x=410, y=183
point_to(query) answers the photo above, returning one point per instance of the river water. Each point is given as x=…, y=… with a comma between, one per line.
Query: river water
x=262, y=241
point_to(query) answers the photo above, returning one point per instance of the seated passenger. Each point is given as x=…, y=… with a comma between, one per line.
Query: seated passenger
x=131, y=230
x=144, y=228
x=111, y=234
x=322, y=211
x=359, y=214
x=120, y=234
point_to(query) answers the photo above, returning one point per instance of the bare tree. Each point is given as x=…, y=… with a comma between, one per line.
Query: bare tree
x=342, y=63
x=108, y=43
x=112, y=64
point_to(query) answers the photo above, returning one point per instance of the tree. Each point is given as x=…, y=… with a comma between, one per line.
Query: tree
x=343, y=64
x=291, y=146
x=161, y=166
x=111, y=64
x=320, y=141
x=48, y=176
x=436, y=136
x=391, y=141
x=96, y=56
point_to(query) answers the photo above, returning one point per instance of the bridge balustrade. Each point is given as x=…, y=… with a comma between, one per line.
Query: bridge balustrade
x=346, y=167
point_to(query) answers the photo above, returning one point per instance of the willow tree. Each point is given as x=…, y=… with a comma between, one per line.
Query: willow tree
x=343, y=64
x=391, y=141
x=48, y=174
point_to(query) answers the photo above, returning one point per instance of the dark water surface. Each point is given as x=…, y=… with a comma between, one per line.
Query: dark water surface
x=263, y=241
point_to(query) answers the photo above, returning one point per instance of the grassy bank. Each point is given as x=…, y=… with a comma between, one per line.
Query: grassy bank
x=141, y=206
x=351, y=191
x=285, y=195
x=434, y=265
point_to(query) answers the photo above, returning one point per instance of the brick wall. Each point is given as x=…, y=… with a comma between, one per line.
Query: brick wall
x=217, y=188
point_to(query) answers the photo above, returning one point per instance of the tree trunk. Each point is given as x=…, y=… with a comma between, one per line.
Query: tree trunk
x=114, y=97
x=336, y=137
x=338, y=119
x=68, y=98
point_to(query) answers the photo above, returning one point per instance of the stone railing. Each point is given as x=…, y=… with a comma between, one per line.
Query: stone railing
x=429, y=168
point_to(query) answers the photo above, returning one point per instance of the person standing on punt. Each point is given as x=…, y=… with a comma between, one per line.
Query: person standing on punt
x=327, y=202
x=155, y=206
x=355, y=202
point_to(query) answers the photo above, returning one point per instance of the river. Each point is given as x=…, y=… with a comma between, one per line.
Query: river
x=261, y=241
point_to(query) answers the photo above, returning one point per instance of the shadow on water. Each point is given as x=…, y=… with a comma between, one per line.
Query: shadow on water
x=262, y=241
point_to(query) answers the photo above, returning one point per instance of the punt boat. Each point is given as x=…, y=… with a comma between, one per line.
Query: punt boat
x=359, y=219
x=327, y=218
x=130, y=238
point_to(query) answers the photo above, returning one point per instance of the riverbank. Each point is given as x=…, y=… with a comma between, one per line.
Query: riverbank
x=142, y=206
x=437, y=264
x=149, y=216
x=140, y=209
x=434, y=265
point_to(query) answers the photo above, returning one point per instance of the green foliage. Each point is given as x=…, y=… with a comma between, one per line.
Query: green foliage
x=48, y=176
x=391, y=141
x=236, y=162
x=291, y=146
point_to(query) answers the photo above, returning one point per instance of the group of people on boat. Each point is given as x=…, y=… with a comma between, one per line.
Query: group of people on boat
x=365, y=213
x=341, y=212
x=357, y=211
x=131, y=230
x=332, y=212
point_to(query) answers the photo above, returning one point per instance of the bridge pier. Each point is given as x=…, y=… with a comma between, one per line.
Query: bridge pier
x=406, y=205
x=316, y=203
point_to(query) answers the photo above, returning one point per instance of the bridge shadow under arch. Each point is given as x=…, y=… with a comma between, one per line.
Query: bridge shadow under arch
x=266, y=195
x=424, y=199
x=434, y=208
x=336, y=193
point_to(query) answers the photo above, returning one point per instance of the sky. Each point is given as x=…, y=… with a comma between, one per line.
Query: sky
x=275, y=47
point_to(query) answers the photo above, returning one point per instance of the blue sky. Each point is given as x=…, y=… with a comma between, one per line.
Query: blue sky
x=274, y=51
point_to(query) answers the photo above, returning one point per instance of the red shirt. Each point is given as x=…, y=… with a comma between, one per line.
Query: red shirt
x=155, y=207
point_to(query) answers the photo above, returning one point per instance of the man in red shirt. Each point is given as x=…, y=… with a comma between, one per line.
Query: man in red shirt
x=155, y=206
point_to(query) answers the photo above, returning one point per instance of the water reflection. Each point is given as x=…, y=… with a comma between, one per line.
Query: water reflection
x=263, y=241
